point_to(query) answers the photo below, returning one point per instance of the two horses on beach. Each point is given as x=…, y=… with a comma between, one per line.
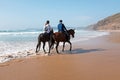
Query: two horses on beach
x=54, y=38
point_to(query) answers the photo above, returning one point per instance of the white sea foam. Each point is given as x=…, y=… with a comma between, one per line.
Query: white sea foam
x=18, y=33
x=21, y=44
x=83, y=35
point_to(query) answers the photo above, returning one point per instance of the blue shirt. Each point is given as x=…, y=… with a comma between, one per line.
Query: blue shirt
x=61, y=27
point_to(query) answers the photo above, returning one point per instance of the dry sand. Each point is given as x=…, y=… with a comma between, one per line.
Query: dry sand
x=96, y=59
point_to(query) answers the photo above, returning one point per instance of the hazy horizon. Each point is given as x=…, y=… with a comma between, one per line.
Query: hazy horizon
x=25, y=14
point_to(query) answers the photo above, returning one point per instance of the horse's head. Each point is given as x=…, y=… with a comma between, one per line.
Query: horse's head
x=71, y=32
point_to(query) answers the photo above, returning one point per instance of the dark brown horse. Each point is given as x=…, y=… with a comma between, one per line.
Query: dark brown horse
x=44, y=37
x=61, y=37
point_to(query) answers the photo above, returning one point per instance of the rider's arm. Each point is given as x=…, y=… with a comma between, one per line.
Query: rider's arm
x=64, y=27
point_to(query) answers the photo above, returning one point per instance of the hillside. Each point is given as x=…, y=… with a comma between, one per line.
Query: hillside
x=109, y=23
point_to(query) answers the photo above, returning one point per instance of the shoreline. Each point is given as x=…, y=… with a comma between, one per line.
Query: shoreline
x=31, y=52
x=95, y=59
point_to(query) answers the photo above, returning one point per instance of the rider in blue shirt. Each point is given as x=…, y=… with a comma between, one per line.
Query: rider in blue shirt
x=62, y=28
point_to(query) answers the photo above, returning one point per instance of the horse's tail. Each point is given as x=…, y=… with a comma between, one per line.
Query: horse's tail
x=53, y=37
x=52, y=31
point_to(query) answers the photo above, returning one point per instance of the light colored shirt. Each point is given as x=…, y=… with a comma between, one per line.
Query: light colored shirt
x=47, y=28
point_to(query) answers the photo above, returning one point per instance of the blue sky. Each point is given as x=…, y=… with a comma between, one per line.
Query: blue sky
x=21, y=14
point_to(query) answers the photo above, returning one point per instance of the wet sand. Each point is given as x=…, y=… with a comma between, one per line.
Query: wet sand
x=95, y=59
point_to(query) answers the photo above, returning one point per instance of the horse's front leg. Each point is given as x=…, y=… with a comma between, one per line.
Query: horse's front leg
x=44, y=47
x=57, y=47
x=50, y=45
x=63, y=46
x=70, y=45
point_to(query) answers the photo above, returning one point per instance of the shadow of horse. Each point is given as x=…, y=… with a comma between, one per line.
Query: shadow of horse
x=82, y=51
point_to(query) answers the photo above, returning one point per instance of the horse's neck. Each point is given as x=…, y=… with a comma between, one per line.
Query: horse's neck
x=69, y=32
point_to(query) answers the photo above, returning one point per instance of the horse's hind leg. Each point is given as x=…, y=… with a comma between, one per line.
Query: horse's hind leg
x=38, y=47
x=50, y=46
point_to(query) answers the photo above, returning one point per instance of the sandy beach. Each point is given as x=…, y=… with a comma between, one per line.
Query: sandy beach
x=95, y=59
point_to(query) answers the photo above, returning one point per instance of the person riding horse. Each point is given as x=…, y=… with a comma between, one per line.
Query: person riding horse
x=47, y=27
x=45, y=37
x=62, y=28
x=48, y=30
x=62, y=36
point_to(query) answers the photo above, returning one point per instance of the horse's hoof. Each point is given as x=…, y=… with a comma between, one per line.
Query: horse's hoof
x=37, y=54
x=52, y=48
x=49, y=54
x=58, y=53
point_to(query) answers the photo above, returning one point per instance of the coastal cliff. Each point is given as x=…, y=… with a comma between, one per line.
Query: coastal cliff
x=109, y=23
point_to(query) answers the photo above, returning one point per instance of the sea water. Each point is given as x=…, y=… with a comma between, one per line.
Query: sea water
x=22, y=43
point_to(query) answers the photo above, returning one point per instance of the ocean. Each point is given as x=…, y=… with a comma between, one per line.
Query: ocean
x=22, y=43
